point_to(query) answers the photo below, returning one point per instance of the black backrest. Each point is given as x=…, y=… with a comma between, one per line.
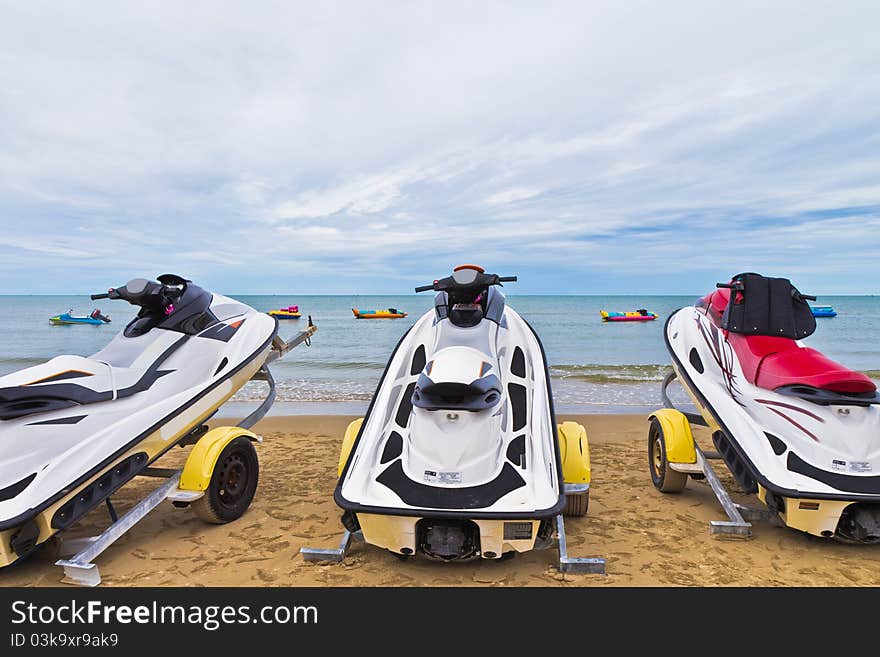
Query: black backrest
x=767, y=306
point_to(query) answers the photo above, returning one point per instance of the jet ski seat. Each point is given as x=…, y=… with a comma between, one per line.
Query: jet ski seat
x=67, y=381
x=774, y=362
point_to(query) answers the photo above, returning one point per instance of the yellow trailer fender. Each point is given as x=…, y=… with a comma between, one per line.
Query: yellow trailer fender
x=574, y=448
x=200, y=463
x=347, y=442
x=677, y=435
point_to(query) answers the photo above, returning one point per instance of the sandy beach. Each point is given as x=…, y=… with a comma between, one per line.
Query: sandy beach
x=647, y=538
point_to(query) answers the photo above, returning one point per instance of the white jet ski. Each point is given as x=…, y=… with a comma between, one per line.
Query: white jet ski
x=75, y=429
x=459, y=455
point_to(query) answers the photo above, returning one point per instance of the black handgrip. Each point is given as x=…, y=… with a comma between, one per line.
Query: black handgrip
x=425, y=288
x=728, y=286
x=507, y=279
x=808, y=297
x=105, y=295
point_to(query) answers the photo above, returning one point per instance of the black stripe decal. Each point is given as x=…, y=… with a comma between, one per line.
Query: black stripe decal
x=73, y=419
x=11, y=491
x=61, y=376
x=21, y=401
x=415, y=493
x=849, y=483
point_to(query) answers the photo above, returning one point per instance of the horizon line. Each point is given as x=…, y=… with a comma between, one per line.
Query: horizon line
x=412, y=294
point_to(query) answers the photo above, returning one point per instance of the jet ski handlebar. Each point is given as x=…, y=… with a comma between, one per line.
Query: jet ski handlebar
x=144, y=293
x=466, y=281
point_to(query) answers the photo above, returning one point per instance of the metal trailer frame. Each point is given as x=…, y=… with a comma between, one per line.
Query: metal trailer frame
x=80, y=568
x=565, y=563
x=737, y=524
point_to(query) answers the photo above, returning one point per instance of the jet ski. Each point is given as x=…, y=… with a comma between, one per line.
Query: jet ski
x=95, y=318
x=75, y=429
x=795, y=428
x=459, y=456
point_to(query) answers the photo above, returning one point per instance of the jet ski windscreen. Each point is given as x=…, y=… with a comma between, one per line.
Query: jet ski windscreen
x=767, y=306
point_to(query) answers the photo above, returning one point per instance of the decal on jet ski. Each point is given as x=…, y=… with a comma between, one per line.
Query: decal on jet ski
x=722, y=352
x=73, y=419
x=11, y=491
x=770, y=403
x=849, y=483
x=794, y=422
x=442, y=477
x=19, y=401
x=792, y=407
x=222, y=332
x=61, y=376
x=415, y=493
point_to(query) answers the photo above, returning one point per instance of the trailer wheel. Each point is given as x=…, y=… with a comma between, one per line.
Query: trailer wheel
x=233, y=484
x=576, y=504
x=665, y=479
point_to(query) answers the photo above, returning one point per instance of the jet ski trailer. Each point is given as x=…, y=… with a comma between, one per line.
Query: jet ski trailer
x=75, y=430
x=796, y=429
x=459, y=456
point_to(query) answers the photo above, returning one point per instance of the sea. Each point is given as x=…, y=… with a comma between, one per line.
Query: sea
x=595, y=367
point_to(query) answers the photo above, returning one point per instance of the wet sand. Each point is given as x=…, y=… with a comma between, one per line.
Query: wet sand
x=647, y=538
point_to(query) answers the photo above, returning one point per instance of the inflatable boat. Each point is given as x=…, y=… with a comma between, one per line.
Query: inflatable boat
x=390, y=313
x=641, y=315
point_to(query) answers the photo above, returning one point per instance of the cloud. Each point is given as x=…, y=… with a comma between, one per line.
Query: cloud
x=512, y=195
x=573, y=144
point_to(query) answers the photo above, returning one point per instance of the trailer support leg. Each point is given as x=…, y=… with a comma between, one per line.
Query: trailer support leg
x=332, y=555
x=569, y=564
x=736, y=526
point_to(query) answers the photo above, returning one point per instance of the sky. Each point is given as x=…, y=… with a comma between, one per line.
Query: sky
x=368, y=147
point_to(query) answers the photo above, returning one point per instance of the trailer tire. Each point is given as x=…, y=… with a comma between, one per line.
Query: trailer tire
x=664, y=478
x=233, y=484
x=576, y=504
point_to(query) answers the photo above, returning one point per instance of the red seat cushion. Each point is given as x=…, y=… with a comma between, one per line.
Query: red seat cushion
x=770, y=362
x=807, y=366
